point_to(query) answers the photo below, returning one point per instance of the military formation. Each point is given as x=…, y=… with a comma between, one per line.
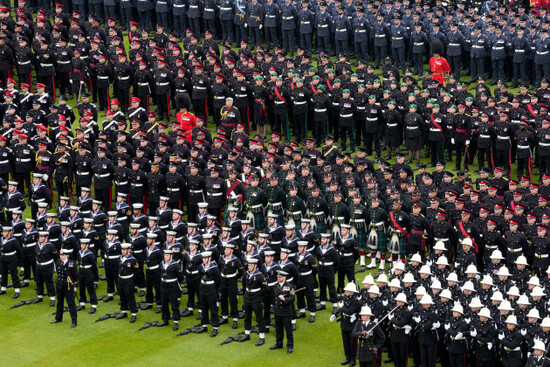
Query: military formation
x=164, y=191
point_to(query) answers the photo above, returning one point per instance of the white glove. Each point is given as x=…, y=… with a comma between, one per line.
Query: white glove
x=261, y=26
x=410, y=307
x=459, y=336
x=468, y=320
x=429, y=263
x=385, y=302
x=390, y=317
x=523, y=332
x=456, y=265
x=352, y=318
x=408, y=329
x=489, y=345
x=452, y=141
x=473, y=333
x=500, y=336
x=341, y=304
x=467, y=142
x=45, y=177
x=332, y=317
x=245, y=25
x=447, y=326
x=416, y=319
x=436, y=325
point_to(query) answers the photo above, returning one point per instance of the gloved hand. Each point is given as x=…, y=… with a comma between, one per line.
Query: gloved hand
x=341, y=304
x=429, y=263
x=468, y=320
x=459, y=336
x=523, y=332
x=456, y=265
x=408, y=329
x=500, y=336
x=261, y=26
x=467, y=142
x=473, y=332
x=489, y=345
x=447, y=326
x=332, y=317
x=410, y=307
x=390, y=316
x=385, y=302
x=245, y=25
x=416, y=319
x=352, y=318
x=452, y=139
x=436, y=325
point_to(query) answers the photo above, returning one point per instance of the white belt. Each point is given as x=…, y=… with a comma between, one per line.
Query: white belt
x=170, y=280
x=295, y=213
x=358, y=220
x=412, y=127
x=220, y=97
x=241, y=95
x=178, y=5
x=214, y=194
x=137, y=251
x=46, y=263
x=320, y=110
x=104, y=77
x=25, y=62
x=193, y=6
x=484, y=136
x=169, y=189
x=360, y=31
x=520, y=51
x=361, y=108
x=126, y=276
x=435, y=130
x=256, y=206
x=503, y=137
x=523, y=146
x=124, y=78
x=137, y=185
x=83, y=173
x=541, y=256
x=542, y=53
x=121, y=183
x=390, y=125
x=305, y=22
x=225, y=9
x=208, y=9
x=513, y=250
x=10, y=253
x=397, y=38
x=306, y=273
x=373, y=119
x=195, y=191
x=24, y=160
x=478, y=46
x=348, y=254
x=192, y=272
x=103, y=175
x=4, y=162
x=153, y=267
x=45, y=65
x=270, y=16
x=323, y=25
x=442, y=239
x=64, y=62
x=300, y=102
x=280, y=102
x=544, y=144
x=85, y=266
x=30, y=245
x=229, y=275
x=326, y=263
x=454, y=44
x=271, y=284
x=347, y=115
x=380, y=35
x=114, y=257
x=253, y=290
x=419, y=44
x=207, y=282
x=512, y=350
x=288, y=18
x=143, y=84
x=120, y=219
x=341, y=30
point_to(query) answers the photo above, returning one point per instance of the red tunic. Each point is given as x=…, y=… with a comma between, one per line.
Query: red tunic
x=187, y=122
x=439, y=68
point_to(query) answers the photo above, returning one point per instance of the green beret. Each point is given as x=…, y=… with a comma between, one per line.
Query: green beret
x=387, y=91
x=312, y=69
x=345, y=91
x=436, y=105
x=321, y=88
x=361, y=86
x=315, y=77
x=355, y=74
x=392, y=102
x=280, y=78
x=299, y=80
x=412, y=106
x=337, y=80
x=372, y=96
x=259, y=77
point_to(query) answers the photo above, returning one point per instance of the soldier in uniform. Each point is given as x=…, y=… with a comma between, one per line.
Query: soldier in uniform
x=349, y=254
x=171, y=277
x=128, y=268
x=10, y=249
x=307, y=270
x=67, y=279
x=370, y=339
x=46, y=255
x=283, y=310
x=349, y=306
x=231, y=269
x=209, y=284
x=255, y=200
x=87, y=274
x=254, y=286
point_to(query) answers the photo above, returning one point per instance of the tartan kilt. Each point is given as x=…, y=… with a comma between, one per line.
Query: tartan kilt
x=259, y=221
x=404, y=249
x=321, y=227
x=382, y=241
x=362, y=238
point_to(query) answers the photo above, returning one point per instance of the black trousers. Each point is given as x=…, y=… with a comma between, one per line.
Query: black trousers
x=104, y=195
x=455, y=62
x=485, y=155
x=267, y=302
x=427, y=355
x=86, y=283
x=111, y=273
x=64, y=82
x=29, y=263
x=306, y=41
x=369, y=139
x=288, y=41
x=350, y=345
x=307, y=282
x=127, y=297
x=227, y=31
x=44, y=275
x=65, y=292
x=208, y=302
x=345, y=271
x=255, y=39
x=457, y=359
x=229, y=300
x=477, y=67
x=283, y=325
x=436, y=148
x=300, y=126
x=170, y=295
x=9, y=266
x=524, y=165
x=380, y=53
x=152, y=280
x=271, y=38
x=320, y=129
x=201, y=109
x=400, y=353
x=503, y=158
x=62, y=186
x=24, y=181
x=163, y=105
x=193, y=289
x=519, y=72
x=145, y=20
x=324, y=283
x=345, y=132
x=255, y=306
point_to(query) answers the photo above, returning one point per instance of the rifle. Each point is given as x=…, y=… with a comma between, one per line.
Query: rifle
x=233, y=338
x=107, y=316
x=22, y=303
x=148, y=325
x=193, y=329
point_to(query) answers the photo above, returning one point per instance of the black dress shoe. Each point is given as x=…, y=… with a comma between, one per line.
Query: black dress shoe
x=73, y=325
x=133, y=319
x=245, y=338
x=122, y=316
x=235, y=325
x=301, y=315
x=24, y=284
x=162, y=323
x=312, y=318
x=321, y=307
x=199, y=316
x=158, y=310
x=289, y=350
x=146, y=307
x=293, y=327
x=352, y=363
x=224, y=321
x=214, y=333
x=343, y=363
x=52, y=303
x=108, y=299
x=16, y=295
x=260, y=342
x=388, y=360
x=38, y=300
x=54, y=322
x=92, y=311
x=2, y=292
x=273, y=347
x=202, y=330
x=187, y=313
x=176, y=326
x=141, y=293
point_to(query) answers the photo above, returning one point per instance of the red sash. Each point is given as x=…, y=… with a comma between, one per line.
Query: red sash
x=463, y=230
x=531, y=110
x=328, y=84
x=435, y=123
x=232, y=187
x=279, y=95
x=401, y=229
x=313, y=89
x=292, y=86
x=513, y=205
